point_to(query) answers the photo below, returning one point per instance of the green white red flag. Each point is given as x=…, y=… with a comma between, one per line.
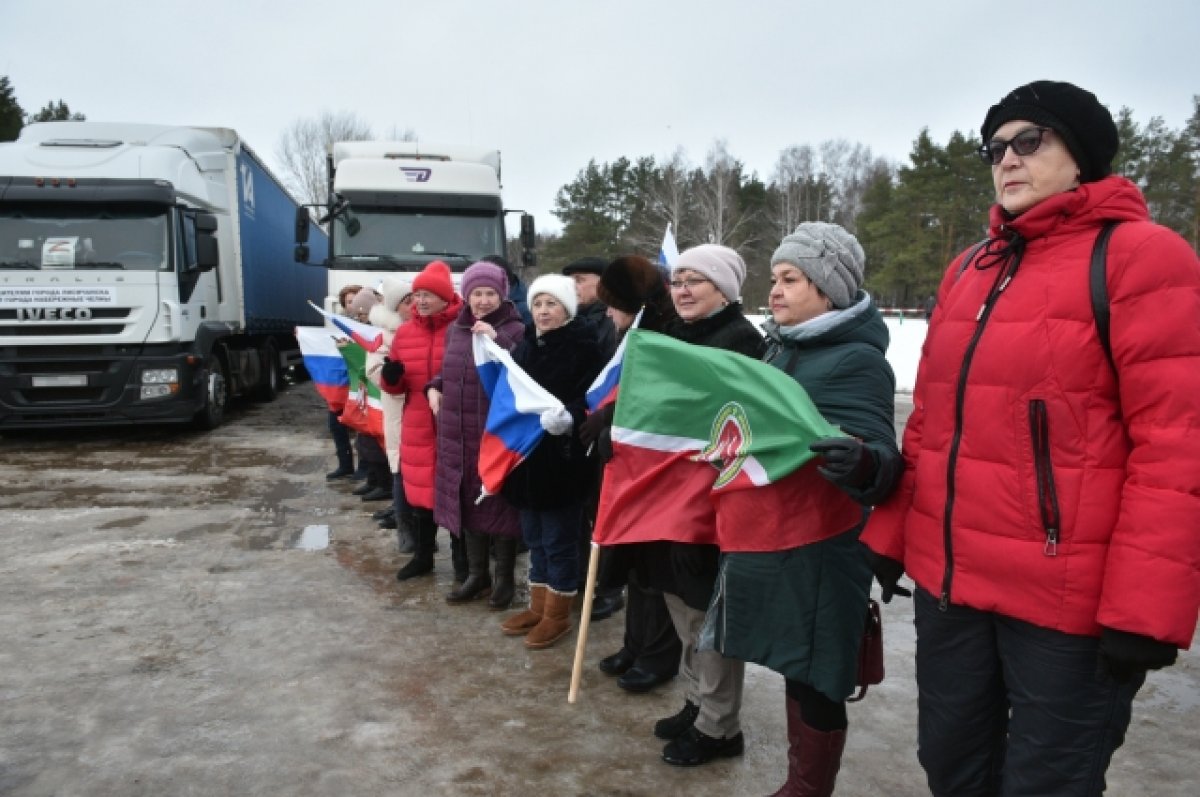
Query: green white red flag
x=709, y=446
x=364, y=409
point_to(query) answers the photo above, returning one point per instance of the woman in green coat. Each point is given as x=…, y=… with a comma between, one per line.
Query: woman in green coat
x=800, y=610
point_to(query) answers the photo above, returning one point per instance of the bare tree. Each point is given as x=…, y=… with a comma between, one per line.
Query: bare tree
x=721, y=216
x=306, y=142
x=793, y=179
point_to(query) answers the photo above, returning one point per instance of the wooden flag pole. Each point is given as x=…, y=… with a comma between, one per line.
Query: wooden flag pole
x=585, y=618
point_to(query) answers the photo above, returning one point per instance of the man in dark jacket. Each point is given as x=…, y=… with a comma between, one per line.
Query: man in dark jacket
x=586, y=272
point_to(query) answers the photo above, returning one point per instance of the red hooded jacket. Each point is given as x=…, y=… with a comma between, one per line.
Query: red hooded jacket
x=1039, y=483
x=420, y=345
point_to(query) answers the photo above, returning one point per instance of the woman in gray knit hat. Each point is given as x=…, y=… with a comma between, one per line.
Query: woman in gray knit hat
x=799, y=610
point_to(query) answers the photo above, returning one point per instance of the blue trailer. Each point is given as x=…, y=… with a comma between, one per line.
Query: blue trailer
x=146, y=275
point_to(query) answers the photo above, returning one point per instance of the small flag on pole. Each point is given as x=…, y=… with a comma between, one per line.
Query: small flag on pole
x=669, y=253
x=365, y=335
x=604, y=389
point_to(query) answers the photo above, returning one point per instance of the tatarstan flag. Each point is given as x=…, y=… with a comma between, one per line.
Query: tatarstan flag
x=708, y=447
x=364, y=409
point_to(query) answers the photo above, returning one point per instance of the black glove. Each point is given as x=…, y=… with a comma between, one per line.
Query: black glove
x=847, y=462
x=1123, y=654
x=595, y=423
x=391, y=371
x=887, y=572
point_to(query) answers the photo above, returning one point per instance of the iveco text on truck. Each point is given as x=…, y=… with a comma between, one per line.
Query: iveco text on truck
x=146, y=275
x=396, y=206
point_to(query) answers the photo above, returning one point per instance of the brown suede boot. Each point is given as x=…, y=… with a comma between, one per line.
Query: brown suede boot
x=520, y=624
x=814, y=757
x=555, y=623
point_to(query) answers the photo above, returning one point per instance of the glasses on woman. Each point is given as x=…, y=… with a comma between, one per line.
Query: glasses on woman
x=691, y=283
x=1024, y=143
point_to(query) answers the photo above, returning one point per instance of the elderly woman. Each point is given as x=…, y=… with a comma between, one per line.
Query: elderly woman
x=457, y=399
x=799, y=609
x=561, y=354
x=1048, y=508
x=414, y=358
x=394, y=309
x=706, y=285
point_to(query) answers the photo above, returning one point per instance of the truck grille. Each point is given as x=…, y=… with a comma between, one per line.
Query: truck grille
x=117, y=318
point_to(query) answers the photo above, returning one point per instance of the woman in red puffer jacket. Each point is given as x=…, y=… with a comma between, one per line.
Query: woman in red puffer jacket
x=1048, y=509
x=413, y=360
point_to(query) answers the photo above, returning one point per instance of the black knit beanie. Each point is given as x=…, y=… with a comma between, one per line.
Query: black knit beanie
x=1085, y=126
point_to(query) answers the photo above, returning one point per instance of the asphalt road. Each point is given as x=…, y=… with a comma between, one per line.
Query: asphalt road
x=164, y=632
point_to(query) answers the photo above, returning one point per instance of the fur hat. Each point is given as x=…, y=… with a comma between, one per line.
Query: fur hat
x=830, y=257
x=485, y=275
x=1085, y=126
x=720, y=264
x=435, y=278
x=585, y=265
x=362, y=302
x=394, y=288
x=560, y=287
x=628, y=282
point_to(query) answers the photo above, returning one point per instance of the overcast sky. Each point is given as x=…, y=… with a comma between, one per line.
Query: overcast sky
x=552, y=83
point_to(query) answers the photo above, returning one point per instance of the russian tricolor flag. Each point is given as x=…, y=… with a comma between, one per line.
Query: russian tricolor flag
x=365, y=335
x=604, y=389
x=514, y=426
x=669, y=253
x=325, y=365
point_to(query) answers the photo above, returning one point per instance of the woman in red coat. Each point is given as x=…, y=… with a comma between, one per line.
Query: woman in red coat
x=1048, y=509
x=413, y=360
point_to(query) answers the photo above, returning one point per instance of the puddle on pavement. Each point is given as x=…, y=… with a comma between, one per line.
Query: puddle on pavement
x=313, y=538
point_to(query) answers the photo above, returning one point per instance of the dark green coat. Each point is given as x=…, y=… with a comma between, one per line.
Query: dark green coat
x=800, y=611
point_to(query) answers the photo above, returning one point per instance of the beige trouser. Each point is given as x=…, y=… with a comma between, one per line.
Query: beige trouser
x=711, y=681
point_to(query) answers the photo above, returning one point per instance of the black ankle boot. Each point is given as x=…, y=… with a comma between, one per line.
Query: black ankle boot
x=506, y=563
x=478, y=583
x=422, y=561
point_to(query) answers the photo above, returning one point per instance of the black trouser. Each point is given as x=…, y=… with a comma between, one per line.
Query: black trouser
x=1009, y=708
x=818, y=712
x=341, y=442
x=649, y=633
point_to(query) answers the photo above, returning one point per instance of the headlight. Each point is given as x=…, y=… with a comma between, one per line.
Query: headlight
x=160, y=376
x=155, y=391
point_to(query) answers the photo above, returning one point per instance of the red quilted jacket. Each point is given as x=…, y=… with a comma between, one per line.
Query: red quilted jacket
x=1040, y=484
x=420, y=345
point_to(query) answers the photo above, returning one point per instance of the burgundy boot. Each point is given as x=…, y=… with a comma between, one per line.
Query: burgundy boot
x=814, y=757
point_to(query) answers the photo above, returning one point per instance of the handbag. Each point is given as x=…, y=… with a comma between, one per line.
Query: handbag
x=870, y=653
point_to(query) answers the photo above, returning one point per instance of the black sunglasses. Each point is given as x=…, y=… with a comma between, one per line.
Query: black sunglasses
x=1024, y=143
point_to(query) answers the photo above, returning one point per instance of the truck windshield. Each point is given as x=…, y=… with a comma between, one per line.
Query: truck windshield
x=402, y=235
x=67, y=238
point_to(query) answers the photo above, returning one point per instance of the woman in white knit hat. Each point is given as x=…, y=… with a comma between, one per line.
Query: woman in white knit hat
x=706, y=287
x=560, y=352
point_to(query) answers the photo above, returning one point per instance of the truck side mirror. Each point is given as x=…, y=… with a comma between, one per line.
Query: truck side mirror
x=208, y=252
x=302, y=222
x=528, y=233
x=528, y=241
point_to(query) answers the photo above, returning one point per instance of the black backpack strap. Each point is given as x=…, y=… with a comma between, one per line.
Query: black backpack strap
x=975, y=250
x=1098, y=283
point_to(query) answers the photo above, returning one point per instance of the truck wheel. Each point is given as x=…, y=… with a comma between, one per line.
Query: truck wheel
x=272, y=377
x=216, y=394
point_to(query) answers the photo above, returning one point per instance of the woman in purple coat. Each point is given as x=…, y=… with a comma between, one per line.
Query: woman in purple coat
x=461, y=407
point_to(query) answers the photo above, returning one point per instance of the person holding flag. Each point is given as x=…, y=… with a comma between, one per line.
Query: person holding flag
x=371, y=453
x=798, y=607
x=561, y=354
x=651, y=650
x=340, y=434
x=395, y=309
x=414, y=358
x=706, y=286
x=458, y=400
